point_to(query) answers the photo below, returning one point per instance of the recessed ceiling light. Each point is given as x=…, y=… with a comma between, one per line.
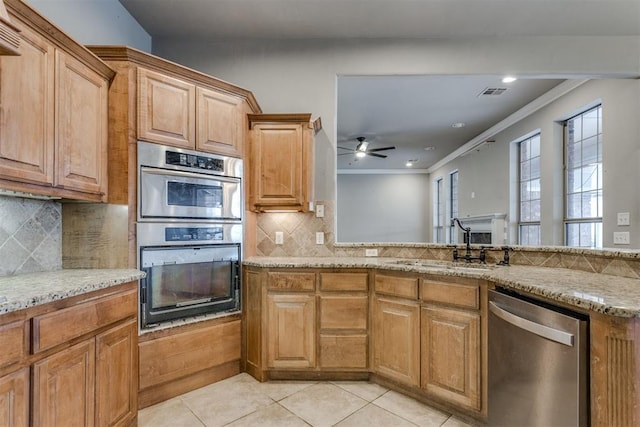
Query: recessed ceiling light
x=509, y=79
x=458, y=125
x=429, y=148
x=411, y=162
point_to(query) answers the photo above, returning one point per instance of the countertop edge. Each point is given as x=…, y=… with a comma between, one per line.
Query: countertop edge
x=29, y=290
x=595, y=292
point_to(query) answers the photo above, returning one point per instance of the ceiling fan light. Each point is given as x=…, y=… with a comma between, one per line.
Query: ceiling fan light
x=360, y=153
x=362, y=147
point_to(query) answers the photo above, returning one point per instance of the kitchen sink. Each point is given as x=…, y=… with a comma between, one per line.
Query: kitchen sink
x=447, y=265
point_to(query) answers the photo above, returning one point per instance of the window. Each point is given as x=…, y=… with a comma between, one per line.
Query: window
x=438, y=212
x=453, y=206
x=583, y=180
x=529, y=180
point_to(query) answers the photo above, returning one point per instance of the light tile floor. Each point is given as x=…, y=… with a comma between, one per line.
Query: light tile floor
x=243, y=401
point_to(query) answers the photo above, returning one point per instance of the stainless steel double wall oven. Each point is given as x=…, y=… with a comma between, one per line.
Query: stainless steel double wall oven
x=189, y=233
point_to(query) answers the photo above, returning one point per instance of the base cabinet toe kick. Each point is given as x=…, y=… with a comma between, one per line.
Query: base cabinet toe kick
x=422, y=334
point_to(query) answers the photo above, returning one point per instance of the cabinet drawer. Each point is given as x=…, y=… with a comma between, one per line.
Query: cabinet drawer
x=292, y=281
x=455, y=294
x=61, y=326
x=343, y=351
x=344, y=282
x=12, y=343
x=343, y=312
x=405, y=287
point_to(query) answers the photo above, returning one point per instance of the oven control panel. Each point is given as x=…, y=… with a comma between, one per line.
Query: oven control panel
x=191, y=234
x=194, y=161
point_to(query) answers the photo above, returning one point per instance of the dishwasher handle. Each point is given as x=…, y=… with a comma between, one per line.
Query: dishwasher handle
x=533, y=327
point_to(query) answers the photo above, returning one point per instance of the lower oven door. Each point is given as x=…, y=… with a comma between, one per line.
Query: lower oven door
x=185, y=281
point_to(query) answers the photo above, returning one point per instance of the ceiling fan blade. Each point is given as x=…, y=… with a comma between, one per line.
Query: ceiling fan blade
x=345, y=154
x=368, y=153
x=381, y=149
x=345, y=148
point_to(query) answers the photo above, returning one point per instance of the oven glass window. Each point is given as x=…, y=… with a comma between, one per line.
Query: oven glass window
x=186, y=284
x=196, y=195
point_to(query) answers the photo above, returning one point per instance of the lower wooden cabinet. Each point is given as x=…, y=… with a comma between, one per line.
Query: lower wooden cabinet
x=450, y=362
x=82, y=369
x=396, y=340
x=14, y=399
x=64, y=387
x=116, y=385
x=291, y=331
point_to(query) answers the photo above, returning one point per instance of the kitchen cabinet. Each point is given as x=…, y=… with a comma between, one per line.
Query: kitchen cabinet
x=396, y=328
x=291, y=331
x=281, y=162
x=396, y=339
x=166, y=109
x=176, y=112
x=343, y=328
x=53, y=128
x=83, y=361
x=9, y=37
x=450, y=341
x=64, y=387
x=309, y=321
x=14, y=399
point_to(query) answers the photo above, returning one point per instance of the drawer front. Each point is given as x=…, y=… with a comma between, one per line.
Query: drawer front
x=455, y=294
x=61, y=326
x=292, y=281
x=343, y=351
x=12, y=343
x=355, y=282
x=405, y=287
x=343, y=312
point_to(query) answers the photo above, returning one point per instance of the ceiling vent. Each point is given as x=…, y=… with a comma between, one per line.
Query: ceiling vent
x=493, y=91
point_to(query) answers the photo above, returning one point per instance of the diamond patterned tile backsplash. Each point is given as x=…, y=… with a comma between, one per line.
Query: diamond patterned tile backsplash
x=299, y=232
x=30, y=236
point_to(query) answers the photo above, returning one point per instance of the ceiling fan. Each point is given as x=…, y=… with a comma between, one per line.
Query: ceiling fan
x=362, y=149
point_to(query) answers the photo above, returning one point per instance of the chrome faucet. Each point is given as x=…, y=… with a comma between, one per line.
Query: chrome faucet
x=467, y=237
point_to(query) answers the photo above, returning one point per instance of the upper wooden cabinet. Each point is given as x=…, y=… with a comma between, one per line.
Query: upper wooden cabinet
x=281, y=162
x=176, y=112
x=166, y=109
x=53, y=121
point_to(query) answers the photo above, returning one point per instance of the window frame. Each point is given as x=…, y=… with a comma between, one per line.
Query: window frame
x=522, y=224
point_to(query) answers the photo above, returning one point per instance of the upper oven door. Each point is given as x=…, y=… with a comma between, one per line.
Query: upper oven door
x=168, y=194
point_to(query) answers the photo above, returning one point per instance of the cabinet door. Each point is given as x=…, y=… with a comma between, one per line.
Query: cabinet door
x=26, y=110
x=14, y=399
x=166, y=109
x=396, y=340
x=219, y=124
x=116, y=376
x=63, y=388
x=451, y=355
x=277, y=164
x=291, y=331
x=82, y=130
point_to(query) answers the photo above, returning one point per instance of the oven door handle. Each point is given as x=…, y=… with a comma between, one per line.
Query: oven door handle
x=180, y=174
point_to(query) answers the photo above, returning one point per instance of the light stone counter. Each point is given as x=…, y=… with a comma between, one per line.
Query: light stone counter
x=29, y=290
x=602, y=293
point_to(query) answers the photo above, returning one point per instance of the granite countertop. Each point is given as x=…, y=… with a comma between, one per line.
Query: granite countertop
x=602, y=293
x=29, y=290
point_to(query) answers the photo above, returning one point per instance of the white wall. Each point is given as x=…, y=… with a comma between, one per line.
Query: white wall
x=487, y=171
x=98, y=22
x=382, y=208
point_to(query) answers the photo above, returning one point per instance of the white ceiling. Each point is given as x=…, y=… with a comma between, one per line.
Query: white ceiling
x=409, y=112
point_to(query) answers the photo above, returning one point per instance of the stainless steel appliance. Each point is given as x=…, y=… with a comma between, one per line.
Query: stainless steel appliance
x=192, y=269
x=538, y=363
x=189, y=233
x=179, y=184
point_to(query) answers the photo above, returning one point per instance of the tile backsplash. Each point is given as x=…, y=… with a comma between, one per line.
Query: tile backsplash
x=299, y=233
x=30, y=235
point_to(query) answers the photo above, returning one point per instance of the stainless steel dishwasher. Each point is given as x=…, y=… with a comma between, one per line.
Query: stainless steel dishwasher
x=538, y=363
